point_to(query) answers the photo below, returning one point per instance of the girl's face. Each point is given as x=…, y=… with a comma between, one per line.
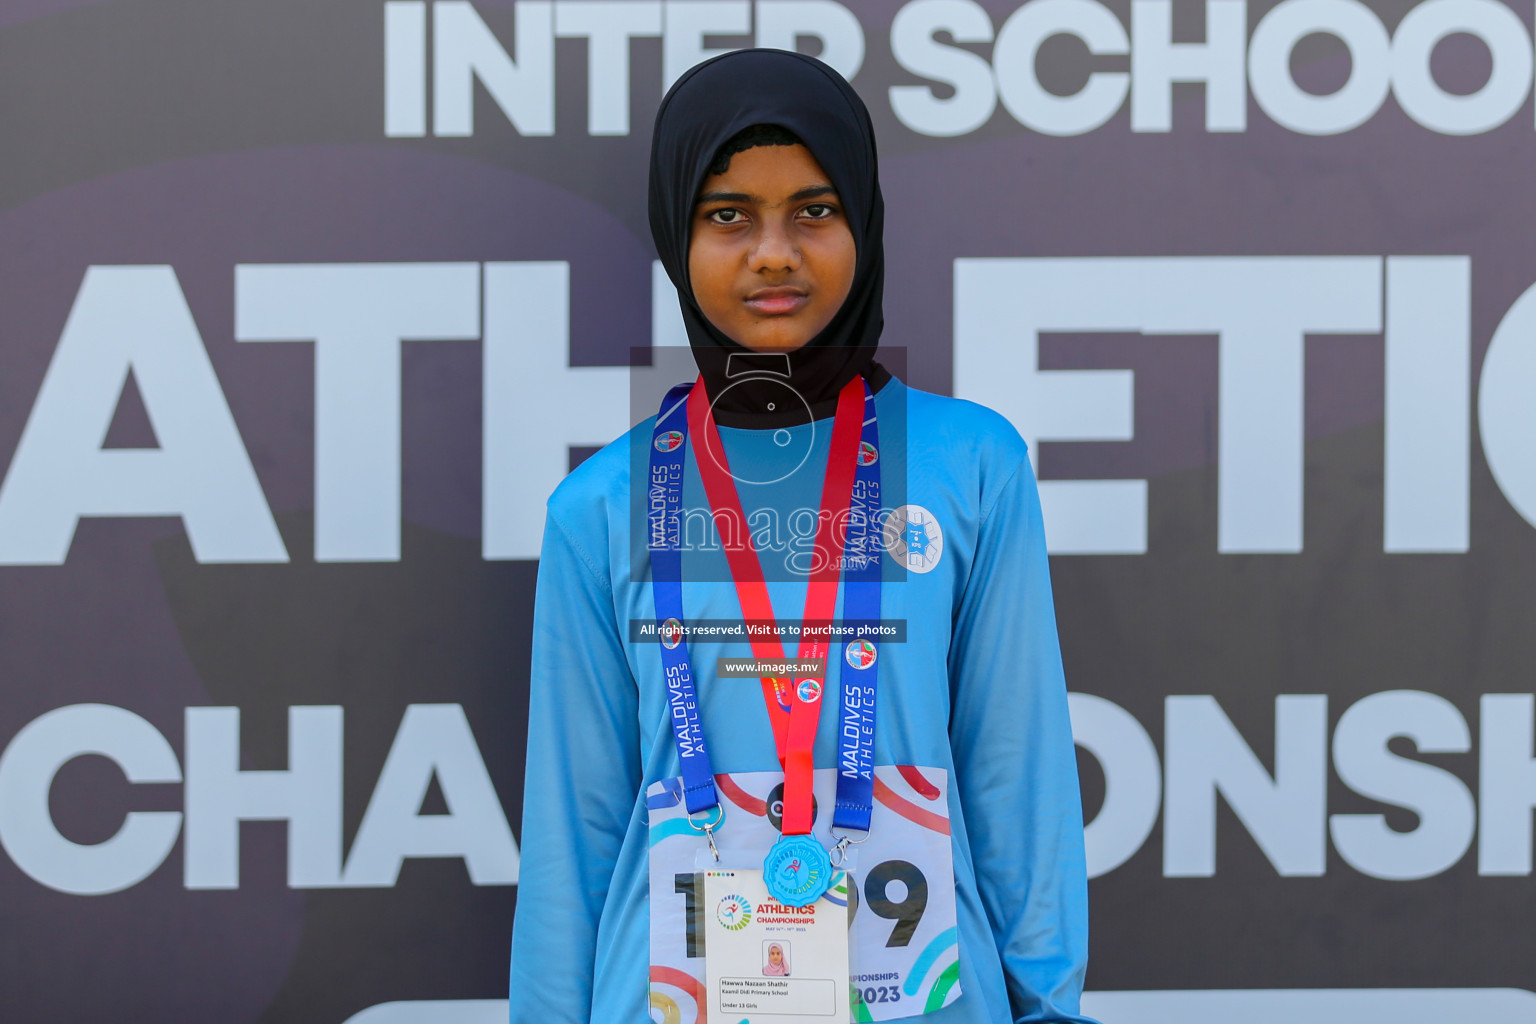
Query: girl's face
x=771, y=256
x=775, y=955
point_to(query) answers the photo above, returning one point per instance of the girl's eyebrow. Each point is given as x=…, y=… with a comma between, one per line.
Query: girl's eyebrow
x=728, y=197
x=809, y=192
x=813, y=191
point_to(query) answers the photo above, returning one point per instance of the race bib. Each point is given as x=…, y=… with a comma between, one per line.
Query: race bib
x=904, y=958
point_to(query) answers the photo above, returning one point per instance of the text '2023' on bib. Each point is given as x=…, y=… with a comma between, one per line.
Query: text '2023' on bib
x=903, y=957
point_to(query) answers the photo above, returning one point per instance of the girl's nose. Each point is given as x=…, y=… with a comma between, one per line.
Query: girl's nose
x=775, y=248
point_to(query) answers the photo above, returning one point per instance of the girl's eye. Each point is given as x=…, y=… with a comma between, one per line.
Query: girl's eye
x=726, y=216
x=819, y=211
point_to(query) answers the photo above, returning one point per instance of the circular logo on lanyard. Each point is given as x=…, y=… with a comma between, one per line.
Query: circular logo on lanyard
x=671, y=634
x=860, y=653
x=734, y=913
x=867, y=454
x=669, y=440
x=914, y=538
x=809, y=690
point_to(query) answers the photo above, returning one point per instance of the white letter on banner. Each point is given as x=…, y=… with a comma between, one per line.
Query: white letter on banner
x=667, y=330
x=1261, y=307
x=1002, y=306
x=688, y=22
x=27, y=770
x=1157, y=62
x=357, y=315
x=1429, y=403
x=405, y=68
x=1013, y=61
x=464, y=49
x=536, y=404
x=133, y=319
x=1291, y=106
x=434, y=1011
x=1442, y=801
x=780, y=24
x=433, y=739
x=1417, y=1005
x=1413, y=83
x=1266, y=308
x=1506, y=784
x=219, y=796
x=1132, y=780
x=1506, y=413
x=1205, y=754
x=608, y=26
x=915, y=49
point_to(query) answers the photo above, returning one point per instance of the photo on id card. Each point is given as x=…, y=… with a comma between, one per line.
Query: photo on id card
x=898, y=895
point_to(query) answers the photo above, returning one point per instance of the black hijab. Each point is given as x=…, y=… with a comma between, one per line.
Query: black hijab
x=703, y=110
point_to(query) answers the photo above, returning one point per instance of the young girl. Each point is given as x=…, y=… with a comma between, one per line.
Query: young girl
x=942, y=778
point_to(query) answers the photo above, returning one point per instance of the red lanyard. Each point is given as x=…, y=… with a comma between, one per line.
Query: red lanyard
x=794, y=733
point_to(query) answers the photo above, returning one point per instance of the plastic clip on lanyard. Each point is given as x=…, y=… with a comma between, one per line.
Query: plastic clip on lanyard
x=797, y=869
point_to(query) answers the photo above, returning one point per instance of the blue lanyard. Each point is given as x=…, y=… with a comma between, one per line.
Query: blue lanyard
x=858, y=674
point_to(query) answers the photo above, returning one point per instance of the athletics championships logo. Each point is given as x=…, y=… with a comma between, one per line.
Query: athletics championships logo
x=809, y=690
x=671, y=634
x=668, y=441
x=867, y=454
x=734, y=913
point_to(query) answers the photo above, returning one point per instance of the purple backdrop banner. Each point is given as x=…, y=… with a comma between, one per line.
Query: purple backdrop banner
x=1257, y=282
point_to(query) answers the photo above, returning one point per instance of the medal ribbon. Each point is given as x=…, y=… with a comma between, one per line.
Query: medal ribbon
x=796, y=749
x=850, y=503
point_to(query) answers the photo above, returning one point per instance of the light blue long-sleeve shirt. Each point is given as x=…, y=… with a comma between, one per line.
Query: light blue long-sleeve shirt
x=976, y=689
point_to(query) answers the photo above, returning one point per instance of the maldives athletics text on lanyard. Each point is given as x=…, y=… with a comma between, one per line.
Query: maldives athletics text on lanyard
x=797, y=869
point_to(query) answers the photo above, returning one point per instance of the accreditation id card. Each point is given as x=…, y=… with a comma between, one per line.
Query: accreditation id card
x=766, y=963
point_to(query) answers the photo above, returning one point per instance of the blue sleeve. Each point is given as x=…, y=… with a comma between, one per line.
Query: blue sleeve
x=583, y=773
x=1015, y=765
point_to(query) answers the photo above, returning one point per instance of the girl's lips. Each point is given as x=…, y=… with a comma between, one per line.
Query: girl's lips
x=776, y=301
